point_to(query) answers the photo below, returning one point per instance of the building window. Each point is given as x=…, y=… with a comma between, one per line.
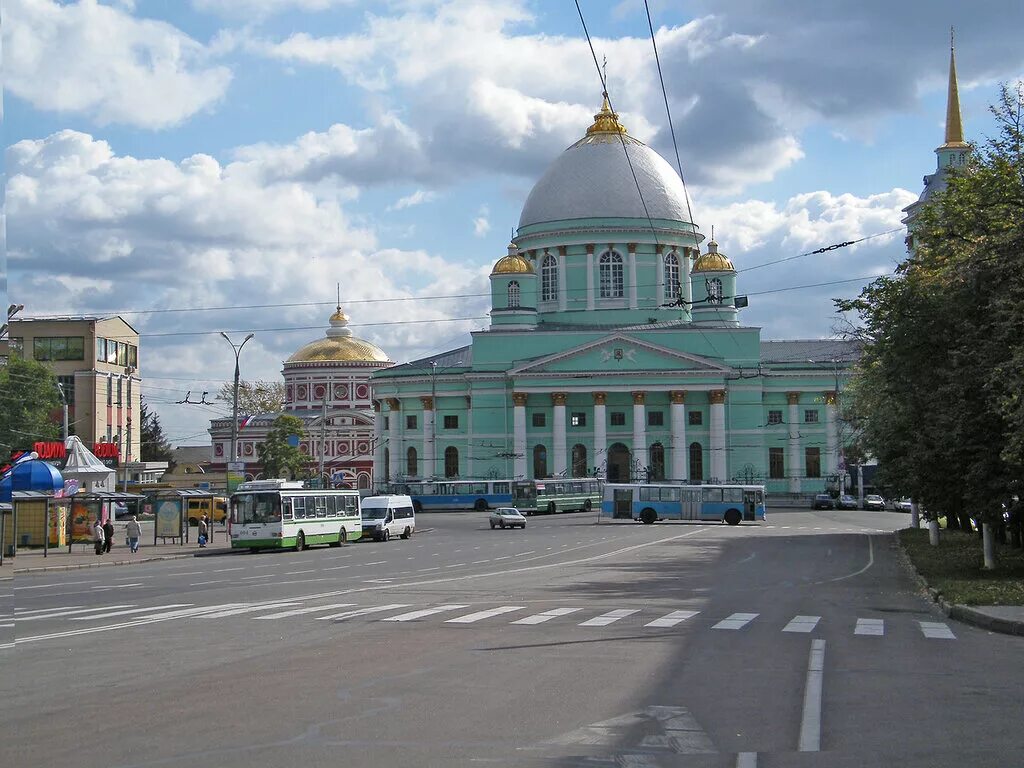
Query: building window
x=539, y=420
x=387, y=423
x=812, y=460
x=714, y=286
x=610, y=275
x=513, y=294
x=549, y=278
x=451, y=461
x=656, y=471
x=410, y=421
x=810, y=417
x=133, y=356
x=672, y=289
x=655, y=418
x=579, y=460
x=695, y=418
x=776, y=464
x=451, y=422
x=540, y=462
x=618, y=418
x=774, y=417
x=578, y=419
x=411, y=463
x=46, y=348
x=101, y=350
x=696, y=462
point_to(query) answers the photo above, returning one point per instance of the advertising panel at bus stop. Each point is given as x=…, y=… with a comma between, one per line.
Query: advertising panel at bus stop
x=168, y=518
x=235, y=475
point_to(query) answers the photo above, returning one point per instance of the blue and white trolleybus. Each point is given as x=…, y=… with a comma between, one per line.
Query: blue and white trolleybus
x=650, y=502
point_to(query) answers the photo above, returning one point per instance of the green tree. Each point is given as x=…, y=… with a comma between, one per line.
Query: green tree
x=254, y=396
x=30, y=405
x=279, y=457
x=155, y=446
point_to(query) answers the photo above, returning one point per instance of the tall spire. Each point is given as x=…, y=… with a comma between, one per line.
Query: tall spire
x=954, y=127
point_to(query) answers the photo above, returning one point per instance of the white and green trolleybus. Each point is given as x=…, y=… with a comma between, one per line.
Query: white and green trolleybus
x=535, y=497
x=275, y=514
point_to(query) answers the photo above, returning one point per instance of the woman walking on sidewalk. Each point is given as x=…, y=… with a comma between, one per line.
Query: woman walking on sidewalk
x=134, y=532
x=98, y=536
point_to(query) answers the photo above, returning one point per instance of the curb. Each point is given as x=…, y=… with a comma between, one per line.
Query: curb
x=957, y=611
x=108, y=564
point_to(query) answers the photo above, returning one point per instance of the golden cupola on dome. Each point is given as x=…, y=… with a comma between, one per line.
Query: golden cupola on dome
x=512, y=264
x=339, y=345
x=713, y=261
x=606, y=121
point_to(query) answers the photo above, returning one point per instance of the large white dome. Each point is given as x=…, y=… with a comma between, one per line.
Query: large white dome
x=592, y=179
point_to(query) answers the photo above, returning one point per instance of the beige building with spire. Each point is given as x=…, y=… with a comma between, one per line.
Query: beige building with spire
x=327, y=385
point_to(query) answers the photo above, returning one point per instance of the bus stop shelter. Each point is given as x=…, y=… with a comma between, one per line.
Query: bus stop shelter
x=84, y=508
x=172, y=505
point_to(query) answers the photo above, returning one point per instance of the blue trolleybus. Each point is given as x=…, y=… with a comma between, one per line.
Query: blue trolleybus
x=650, y=502
x=451, y=495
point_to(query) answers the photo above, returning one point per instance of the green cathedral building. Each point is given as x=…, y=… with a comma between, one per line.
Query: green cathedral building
x=616, y=349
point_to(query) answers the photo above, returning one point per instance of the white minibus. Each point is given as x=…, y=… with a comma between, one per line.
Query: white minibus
x=387, y=516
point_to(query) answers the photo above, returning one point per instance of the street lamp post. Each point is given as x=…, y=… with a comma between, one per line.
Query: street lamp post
x=237, y=348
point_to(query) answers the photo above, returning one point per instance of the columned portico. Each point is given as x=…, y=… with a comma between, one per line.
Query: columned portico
x=831, y=443
x=600, y=434
x=428, y=455
x=677, y=409
x=640, y=434
x=719, y=465
x=519, y=434
x=793, y=462
x=558, y=434
x=395, y=438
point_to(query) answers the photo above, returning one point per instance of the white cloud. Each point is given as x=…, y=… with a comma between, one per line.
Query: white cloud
x=482, y=223
x=419, y=197
x=101, y=61
x=247, y=9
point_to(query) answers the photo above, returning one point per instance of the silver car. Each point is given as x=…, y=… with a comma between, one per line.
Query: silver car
x=507, y=517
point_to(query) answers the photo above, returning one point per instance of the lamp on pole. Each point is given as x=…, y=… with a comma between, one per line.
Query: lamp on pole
x=237, y=348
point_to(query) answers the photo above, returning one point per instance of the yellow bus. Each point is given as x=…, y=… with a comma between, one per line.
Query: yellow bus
x=215, y=508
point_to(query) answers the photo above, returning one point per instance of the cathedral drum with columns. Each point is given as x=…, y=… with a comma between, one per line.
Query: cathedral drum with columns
x=615, y=349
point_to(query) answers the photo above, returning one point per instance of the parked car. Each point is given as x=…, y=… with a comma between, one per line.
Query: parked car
x=846, y=502
x=507, y=517
x=903, y=505
x=823, y=501
x=874, y=501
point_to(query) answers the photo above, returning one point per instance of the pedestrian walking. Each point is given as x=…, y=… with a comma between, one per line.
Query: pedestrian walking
x=108, y=533
x=98, y=536
x=134, y=532
x=204, y=530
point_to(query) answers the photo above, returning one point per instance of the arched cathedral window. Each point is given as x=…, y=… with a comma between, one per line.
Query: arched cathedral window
x=549, y=278
x=513, y=294
x=714, y=286
x=672, y=288
x=610, y=275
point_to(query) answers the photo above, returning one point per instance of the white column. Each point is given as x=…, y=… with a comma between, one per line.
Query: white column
x=470, y=458
x=378, y=445
x=639, y=436
x=659, y=279
x=684, y=278
x=600, y=457
x=562, y=298
x=427, y=457
x=590, y=277
x=719, y=466
x=677, y=412
x=793, y=464
x=831, y=441
x=519, y=434
x=632, y=277
x=559, y=466
x=394, y=438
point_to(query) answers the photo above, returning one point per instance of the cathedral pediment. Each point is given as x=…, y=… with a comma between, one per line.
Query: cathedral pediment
x=620, y=353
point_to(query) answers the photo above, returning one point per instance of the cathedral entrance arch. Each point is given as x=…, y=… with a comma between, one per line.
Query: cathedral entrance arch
x=619, y=462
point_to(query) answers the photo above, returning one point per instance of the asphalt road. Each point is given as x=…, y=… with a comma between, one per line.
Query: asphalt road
x=797, y=642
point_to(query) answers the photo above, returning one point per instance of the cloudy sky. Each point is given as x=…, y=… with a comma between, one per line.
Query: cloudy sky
x=206, y=158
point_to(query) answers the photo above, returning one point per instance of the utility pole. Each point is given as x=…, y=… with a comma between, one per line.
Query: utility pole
x=234, y=408
x=64, y=404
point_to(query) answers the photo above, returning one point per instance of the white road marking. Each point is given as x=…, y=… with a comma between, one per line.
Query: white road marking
x=248, y=609
x=202, y=583
x=225, y=570
x=736, y=621
x=116, y=586
x=362, y=612
x=523, y=554
x=413, y=615
x=504, y=557
x=188, y=573
x=469, y=618
x=129, y=611
x=608, y=618
x=810, y=723
x=183, y=613
x=58, y=584
x=300, y=611
x=540, y=618
x=376, y=562
x=296, y=573
x=26, y=611
x=337, y=567
x=59, y=614
x=802, y=624
x=937, y=630
x=671, y=619
x=875, y=627
x=479, y=562
x=250, y=578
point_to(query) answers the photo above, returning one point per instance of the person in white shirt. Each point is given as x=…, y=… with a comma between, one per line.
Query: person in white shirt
x=98, y=536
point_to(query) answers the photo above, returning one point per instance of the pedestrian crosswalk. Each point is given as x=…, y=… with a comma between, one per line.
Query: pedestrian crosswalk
x=585, y=617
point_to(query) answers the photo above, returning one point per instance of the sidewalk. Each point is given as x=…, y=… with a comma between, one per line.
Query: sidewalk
x=83, y=556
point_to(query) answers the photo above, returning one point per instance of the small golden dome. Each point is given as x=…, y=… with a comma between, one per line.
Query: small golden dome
x=606, y=121
x=713, y=261
x=513, y=264
x=339, y=346
x=339, y=316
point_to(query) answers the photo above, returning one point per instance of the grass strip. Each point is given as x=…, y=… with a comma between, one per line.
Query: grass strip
x=955, y=569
